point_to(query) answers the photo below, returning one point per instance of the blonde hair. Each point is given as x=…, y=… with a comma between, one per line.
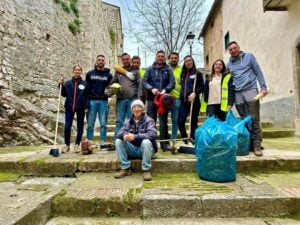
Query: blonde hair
x=77, y=65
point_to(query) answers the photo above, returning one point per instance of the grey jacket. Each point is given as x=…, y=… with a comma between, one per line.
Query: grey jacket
x=130, y=88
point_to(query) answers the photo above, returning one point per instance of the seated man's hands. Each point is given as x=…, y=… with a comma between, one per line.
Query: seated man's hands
x=128, y=137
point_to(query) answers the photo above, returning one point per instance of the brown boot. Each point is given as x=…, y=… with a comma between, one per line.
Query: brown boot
x=123, y=173
x=257, y=148
x=147, y=175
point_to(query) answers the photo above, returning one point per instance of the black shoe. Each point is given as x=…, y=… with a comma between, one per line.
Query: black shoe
x=167, y=147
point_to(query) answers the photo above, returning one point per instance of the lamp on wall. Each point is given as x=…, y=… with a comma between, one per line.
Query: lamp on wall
x=190, y=40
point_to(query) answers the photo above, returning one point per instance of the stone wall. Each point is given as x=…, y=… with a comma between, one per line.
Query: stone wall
x=36, y=49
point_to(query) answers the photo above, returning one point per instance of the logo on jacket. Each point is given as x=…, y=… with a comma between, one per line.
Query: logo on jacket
x=81, y=87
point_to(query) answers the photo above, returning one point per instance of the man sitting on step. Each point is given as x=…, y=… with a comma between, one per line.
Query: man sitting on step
x=136, y=139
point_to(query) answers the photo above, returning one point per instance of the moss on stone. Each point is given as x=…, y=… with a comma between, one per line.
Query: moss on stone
x=184, y=181
x=60, y=197
x=40, y=161
x=4, y=177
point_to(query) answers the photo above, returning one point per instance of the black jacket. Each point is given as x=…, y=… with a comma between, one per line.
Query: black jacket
x=76, y=93
x=187, y=85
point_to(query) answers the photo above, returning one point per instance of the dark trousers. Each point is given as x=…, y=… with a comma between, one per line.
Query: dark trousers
x=251, y=108
x=69, y=116
x=184, y=111
x=215, y=110
x=163, y=122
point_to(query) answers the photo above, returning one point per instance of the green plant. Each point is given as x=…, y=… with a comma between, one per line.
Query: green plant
x=65, y=6
x=112, y=35
x=74, y=27
x=74, y=8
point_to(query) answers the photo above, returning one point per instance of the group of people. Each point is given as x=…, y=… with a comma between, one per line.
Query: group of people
x=163, y=88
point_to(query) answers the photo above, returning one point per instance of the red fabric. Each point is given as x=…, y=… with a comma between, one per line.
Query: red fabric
x=158, y=101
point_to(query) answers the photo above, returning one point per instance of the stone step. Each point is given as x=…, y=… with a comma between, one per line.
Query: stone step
x=180, y=195
x=28, y=200
x=40, y=163
x=266, y=132
x=285, y=132
x=170, y=221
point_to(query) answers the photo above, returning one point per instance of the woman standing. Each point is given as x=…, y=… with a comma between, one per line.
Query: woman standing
x=191, y=86
x=218, y=92
x=75, y=91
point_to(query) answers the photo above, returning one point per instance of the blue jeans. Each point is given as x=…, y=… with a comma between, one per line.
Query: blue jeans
x=69, y=116
x=123, y=110
x=101, y=107
x=174, y=116
x=125, y=149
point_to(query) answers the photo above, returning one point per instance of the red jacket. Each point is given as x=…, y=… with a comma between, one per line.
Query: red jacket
x=164, y=103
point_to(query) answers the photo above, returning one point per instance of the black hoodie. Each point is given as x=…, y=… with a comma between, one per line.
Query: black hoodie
x=98, y=80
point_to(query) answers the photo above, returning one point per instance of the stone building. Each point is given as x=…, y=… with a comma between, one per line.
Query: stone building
x=269, y=29
x=40, y=42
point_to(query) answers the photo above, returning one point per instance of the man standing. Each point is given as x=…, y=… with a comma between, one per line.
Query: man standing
x=245, y=74
x=136, y=139
x=131, y=89
x=173, y=62
x=98, y=79
x=136, y=65
x=158, y=80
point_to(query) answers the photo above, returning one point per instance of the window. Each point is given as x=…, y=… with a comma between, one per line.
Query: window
x=226, y=40
x=207, y=60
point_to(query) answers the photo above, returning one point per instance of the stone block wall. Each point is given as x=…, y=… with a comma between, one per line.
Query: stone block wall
x=36, y=49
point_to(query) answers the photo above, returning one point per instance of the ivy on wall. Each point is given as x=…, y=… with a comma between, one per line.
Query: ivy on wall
x=112, y=35
x=70, y=6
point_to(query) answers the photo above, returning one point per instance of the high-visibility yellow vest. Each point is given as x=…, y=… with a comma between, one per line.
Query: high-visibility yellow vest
x=177, y=72
x=224, y=95
x=142, y=72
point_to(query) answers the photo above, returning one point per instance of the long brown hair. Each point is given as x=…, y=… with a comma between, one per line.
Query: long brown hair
x=211, y=75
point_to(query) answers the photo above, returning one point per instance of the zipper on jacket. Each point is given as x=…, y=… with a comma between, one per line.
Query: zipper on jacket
x=74, y=95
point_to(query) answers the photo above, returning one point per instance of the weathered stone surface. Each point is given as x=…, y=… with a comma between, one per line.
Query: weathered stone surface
x=171, y=221
x=242, y=198
x=40, y=163
x=36, y=49
x=29, y=201
x=97, y=194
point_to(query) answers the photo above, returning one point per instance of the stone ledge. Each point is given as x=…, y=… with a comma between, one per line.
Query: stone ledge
x=42, y=164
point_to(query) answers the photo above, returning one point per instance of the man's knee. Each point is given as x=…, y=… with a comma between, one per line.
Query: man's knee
x=146, y=143
x=118, y=142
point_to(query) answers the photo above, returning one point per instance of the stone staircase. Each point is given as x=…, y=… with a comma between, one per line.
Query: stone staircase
x=73, y=189
x=268, y=130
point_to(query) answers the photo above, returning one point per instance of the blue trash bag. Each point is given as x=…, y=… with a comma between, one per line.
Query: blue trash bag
x=215, y=148
x=231, y=120
x=243, y=146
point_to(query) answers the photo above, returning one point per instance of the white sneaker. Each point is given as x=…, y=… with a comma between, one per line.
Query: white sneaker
x=77, y=149
x=65, y=149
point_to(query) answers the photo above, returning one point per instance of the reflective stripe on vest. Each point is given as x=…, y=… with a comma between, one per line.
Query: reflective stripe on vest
x=176, y=91
x=224, y=93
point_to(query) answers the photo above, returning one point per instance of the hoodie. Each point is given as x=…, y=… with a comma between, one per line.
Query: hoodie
x=98, y=80
x=246, y=72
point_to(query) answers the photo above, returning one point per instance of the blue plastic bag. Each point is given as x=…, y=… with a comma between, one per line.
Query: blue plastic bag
x=215, y=148
x=243, y=146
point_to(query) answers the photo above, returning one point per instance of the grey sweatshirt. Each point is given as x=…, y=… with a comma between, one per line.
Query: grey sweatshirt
x=246, y=72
